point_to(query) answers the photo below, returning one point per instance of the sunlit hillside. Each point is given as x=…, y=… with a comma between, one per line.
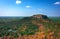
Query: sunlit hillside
x=33, y=27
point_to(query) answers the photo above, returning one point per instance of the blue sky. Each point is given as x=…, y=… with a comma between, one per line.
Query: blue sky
x=29, y=7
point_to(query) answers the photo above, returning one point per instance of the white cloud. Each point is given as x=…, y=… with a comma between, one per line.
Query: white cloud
x=28, y=6
x=57, y=3
x=18, y=2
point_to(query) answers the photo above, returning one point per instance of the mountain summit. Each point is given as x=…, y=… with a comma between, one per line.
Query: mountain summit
x=40, y=16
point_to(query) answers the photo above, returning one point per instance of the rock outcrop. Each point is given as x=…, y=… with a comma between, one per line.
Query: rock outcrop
x=40, y=16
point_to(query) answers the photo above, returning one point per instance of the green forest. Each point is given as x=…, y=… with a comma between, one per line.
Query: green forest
x=15, y=26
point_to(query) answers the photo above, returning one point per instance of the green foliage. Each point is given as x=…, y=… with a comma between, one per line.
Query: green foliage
x=15, y=26
x=31, y=29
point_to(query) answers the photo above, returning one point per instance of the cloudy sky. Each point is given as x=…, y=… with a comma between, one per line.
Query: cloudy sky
x=29, y=7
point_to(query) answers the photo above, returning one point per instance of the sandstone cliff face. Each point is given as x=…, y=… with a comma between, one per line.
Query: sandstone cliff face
x=40, y=16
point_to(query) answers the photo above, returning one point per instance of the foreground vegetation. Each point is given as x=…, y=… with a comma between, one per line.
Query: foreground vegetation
x=29, y=28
